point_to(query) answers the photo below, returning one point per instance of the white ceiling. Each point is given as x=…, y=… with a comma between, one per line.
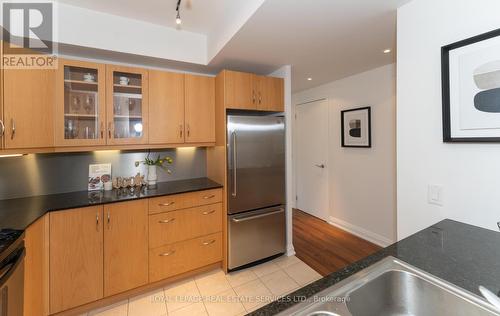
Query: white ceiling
x=322, y=39
x=201, y=18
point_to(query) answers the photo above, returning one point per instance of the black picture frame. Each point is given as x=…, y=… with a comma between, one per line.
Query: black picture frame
x=445, y=83
x=342, y=125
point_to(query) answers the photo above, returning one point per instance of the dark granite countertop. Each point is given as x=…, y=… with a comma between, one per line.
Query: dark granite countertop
x=465, y=255
x=18, y=214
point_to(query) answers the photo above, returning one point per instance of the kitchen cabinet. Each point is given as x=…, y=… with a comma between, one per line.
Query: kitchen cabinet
x=270, y=93
x=125, y=246
x=174, y=259
x=246, y=91
x=80, y=115
x=170, y=227
x=166, y=107
x=200, y=109
x=126, y=105
x=28, y=108
x=75, y=257
x=239, y=90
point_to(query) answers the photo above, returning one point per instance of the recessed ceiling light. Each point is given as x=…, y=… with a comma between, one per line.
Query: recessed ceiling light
x=387, y=51
x=309, y=79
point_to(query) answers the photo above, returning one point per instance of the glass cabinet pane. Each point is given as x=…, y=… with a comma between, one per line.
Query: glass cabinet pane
x=127, y=105
x=81, y=103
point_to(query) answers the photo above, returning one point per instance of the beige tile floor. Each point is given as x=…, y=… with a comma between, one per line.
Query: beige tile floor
x=217, y=294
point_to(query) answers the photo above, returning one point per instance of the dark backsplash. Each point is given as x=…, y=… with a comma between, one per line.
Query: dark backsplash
x=40, y=174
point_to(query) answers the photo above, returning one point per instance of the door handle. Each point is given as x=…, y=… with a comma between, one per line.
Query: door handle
x=249, y=218
x=322, y=166
x=13, y=124
x=235, y=192
x=166, y=254
x=208, y=212
x=207, y=197
x=2, y=130
x=109, y=129
x=206, y=243
x=180, y=130
x=102, y=130
x=167, y=204
x=166, y=221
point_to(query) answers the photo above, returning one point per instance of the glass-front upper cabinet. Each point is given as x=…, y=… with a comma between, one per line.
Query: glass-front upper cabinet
x=127, y=105
x=80, y=108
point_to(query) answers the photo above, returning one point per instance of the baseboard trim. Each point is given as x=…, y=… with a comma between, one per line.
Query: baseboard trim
x=360, y=232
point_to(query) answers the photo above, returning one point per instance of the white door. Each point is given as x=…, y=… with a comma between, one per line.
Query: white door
x=311, y=153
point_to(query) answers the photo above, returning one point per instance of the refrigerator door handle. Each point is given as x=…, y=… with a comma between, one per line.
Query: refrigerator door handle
x=234, y=193
x=249, y=218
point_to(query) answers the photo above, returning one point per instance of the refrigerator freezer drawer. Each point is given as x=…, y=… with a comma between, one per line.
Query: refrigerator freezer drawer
x=256, y=235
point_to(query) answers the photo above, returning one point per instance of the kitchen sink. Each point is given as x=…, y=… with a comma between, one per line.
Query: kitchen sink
x=393, y=287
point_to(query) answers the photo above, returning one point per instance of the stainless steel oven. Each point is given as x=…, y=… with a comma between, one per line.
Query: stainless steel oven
x=12, y=279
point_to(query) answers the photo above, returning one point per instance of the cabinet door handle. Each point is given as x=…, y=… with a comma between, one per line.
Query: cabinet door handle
x=102, y=129
x=208, y=212
x=180, y=130
x=260, y=98
x=109, y=218
x=167, y=204
x=166, y=221
x=2, y=126
x=188, y=131
x=109, y=129
x=207, y=197
x=97, y=220
x=13, y=124
x=206, y=243
x=253, y=96
x=166, y=254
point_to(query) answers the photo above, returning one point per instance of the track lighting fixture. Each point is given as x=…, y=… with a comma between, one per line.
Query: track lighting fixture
x=178, y=20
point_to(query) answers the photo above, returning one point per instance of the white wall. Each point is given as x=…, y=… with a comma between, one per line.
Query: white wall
x=470, y=173
x=362, y=181
x=285, y=72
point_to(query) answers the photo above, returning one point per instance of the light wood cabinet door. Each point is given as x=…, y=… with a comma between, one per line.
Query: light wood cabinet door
x=166, y=107
x=127, y=105
x=125, y=246
x=239, y=90
x=170, y=227
x=29, y=100
x=273, y=95
x=200, y=109
x=177, y=258
x=75, y=257
x=80, y=116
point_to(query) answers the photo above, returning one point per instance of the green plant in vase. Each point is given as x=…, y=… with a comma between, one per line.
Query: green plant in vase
x=151, y=164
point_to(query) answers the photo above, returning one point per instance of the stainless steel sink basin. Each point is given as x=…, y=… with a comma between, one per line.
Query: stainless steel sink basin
x=392, y=287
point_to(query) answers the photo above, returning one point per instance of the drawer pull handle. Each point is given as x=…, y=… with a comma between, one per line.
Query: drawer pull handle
x=208, y=212
x=206, y=243
x=166, y=221
x=167, y=204
x=206, y=197
x=166, y=254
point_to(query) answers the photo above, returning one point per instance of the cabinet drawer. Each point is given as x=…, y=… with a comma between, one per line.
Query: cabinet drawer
x=185, y=200
x=170, y=227
x=170, y=260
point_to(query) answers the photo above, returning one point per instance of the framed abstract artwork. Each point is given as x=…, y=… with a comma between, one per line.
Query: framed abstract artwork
x=471, y=89
x=356, y=128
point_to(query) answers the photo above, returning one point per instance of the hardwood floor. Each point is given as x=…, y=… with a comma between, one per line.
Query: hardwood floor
x=324, y=247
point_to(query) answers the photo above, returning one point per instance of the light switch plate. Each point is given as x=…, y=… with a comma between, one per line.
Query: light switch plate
x=435, y=194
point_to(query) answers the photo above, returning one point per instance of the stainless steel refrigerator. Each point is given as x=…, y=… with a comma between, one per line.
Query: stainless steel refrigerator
x=256, y=187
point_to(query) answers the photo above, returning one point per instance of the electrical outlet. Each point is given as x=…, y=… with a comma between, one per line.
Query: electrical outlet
x=435, y=195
